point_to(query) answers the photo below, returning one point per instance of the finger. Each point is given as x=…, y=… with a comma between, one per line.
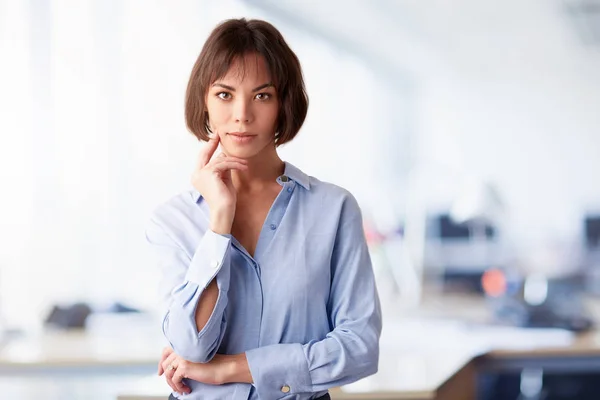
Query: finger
x=229, y=165
x=222, y=161
x=178, y=382
x=163, y=366
x=168, y=361
x=170, y=383
x=207, y=151
x=224, y=157
x=168, y=378
x=169, y=373
x=166, y=352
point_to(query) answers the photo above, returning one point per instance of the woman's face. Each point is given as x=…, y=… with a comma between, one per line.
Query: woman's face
x=243, y=108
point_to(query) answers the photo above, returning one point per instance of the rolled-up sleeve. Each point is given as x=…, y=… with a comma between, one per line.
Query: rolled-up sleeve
x=183, y=280
x=351, y=350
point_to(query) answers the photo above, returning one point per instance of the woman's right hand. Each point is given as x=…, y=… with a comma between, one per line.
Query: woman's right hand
x=212, y=178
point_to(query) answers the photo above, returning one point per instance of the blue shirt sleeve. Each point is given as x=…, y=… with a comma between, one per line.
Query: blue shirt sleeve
x=183, y=281
x=351, y=350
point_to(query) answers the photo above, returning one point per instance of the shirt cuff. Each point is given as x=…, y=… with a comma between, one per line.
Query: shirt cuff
x=208, y=260
x=279, y=370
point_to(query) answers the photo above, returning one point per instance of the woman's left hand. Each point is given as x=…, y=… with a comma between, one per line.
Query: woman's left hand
x=169, y=364
x=214, y=372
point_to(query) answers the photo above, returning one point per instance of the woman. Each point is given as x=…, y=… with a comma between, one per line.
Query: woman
x=267, y=281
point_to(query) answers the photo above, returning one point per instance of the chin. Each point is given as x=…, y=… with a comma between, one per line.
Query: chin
x=245, y=153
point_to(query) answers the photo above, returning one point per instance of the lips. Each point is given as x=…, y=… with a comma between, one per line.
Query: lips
x=240, y=134
x=241, y=138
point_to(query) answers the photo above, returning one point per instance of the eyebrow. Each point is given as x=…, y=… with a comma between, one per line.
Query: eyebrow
x=256, y=89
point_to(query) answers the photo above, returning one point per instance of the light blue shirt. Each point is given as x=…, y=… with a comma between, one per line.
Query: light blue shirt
x=304, y=309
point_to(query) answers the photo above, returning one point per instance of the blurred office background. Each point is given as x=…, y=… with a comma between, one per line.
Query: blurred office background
x=469, y=131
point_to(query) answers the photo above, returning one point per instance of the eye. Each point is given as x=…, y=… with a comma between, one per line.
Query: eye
x=263, y=96
x=224, y=95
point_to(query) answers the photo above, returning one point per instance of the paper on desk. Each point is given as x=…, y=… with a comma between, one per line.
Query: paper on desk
x=440, y=335
x=419, y=354
x=514, y=338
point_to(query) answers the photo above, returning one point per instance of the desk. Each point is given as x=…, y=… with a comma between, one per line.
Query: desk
x=110, y=341
x=412, y=365
x=93, y=365
x=76, y=349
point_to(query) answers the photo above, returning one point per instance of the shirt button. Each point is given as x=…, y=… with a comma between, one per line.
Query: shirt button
x=289, y=190
x=273, y=227
x=216, y=264
x=285, y=389
x=284, y=178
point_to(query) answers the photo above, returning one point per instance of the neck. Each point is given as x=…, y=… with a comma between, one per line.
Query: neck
x=263, y=169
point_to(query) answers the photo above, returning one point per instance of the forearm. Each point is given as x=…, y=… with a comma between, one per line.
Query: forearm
x=222, y=369
x=206, y=304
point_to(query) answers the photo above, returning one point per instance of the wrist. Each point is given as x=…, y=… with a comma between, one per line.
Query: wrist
x=221, y=221
x=236, y=370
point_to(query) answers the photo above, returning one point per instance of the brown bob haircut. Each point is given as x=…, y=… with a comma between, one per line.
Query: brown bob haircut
x=231, y=40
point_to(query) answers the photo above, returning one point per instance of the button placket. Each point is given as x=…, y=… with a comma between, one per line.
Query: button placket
x=275, y=215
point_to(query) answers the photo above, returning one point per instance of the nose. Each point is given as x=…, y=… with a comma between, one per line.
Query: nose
x=243, y=112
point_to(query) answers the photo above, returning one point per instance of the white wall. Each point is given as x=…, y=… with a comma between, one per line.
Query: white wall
x=92, y=135
x=93, y=139
x=516, y=101
x=499, y=91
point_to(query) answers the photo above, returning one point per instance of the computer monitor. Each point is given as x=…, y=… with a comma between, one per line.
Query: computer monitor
x=459, y=253
x=592, y=232
x=449, y=229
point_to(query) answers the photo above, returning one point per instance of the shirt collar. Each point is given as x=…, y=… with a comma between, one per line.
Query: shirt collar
x=290, y=171
x=296, y=175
